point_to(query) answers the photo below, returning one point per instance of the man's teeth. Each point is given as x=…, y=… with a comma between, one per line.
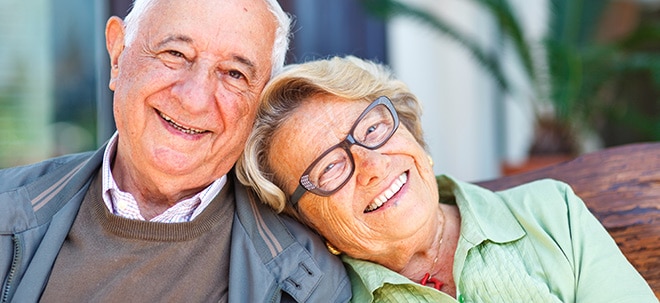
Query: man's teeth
x=396, y=186
x=190, y=131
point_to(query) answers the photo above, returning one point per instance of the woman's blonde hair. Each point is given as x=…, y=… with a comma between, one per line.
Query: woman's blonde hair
x=349, y=78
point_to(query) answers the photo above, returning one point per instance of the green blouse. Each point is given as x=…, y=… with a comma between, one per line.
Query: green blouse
x=533, y=243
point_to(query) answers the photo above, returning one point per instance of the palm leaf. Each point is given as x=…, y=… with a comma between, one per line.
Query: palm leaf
x=510, y=27
x=387, y=9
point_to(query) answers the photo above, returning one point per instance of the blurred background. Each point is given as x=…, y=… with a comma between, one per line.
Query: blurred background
x=506, y=85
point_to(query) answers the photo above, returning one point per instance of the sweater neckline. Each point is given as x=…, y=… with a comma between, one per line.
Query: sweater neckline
x=222, y=207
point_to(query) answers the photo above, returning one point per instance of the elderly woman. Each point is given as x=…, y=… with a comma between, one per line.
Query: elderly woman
x=338, y=145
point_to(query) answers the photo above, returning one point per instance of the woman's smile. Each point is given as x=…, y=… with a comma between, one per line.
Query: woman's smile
x=388, y=194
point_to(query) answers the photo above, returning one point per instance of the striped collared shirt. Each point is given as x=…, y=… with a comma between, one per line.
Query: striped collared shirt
x=123, y=204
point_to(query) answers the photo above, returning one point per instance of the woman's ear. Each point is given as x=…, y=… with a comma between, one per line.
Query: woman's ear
x=114, y=42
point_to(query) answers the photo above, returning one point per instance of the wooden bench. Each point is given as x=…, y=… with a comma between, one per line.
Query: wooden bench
x=621, y=187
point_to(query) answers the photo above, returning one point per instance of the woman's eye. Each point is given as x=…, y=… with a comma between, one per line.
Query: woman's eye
x=373, y=132
x=328, y=168
x=329, y=171
x=330, y=174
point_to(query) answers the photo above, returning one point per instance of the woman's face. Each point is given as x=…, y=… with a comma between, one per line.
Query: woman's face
x=404, y=223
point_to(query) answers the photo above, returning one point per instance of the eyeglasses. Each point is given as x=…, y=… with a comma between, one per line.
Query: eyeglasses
x=334, y=167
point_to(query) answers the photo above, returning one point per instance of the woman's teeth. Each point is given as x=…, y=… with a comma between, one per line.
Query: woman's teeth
x=190, y=131
x=396, y=186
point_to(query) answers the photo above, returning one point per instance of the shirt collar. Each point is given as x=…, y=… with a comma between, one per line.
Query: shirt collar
x=124, y=204
x=367, y=277
x=484, y=216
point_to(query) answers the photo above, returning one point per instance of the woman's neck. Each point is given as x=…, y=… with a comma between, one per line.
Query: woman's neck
x=436, y=262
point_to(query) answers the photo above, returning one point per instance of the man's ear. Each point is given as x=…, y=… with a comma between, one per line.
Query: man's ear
x=114, y=42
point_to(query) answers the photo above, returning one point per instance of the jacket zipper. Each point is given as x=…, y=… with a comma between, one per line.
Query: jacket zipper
x=14, y=267
x=275, y=298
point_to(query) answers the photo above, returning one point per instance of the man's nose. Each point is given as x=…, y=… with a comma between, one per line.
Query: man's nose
x=196, y=90
x=370, y=165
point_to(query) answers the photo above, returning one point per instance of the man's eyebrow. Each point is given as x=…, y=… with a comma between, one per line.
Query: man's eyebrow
x=181, y=38
x=252, y=70
x=247, y=62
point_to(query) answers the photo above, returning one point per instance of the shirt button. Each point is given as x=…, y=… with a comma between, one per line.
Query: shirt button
x=121, y=204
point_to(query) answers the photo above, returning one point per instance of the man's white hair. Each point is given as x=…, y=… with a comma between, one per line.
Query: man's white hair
x=280, y=47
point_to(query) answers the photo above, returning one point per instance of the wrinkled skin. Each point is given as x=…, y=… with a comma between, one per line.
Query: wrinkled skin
x=185, y=94
x=400, y=234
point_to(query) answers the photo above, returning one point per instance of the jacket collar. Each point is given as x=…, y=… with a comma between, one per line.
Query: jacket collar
x=50, y=192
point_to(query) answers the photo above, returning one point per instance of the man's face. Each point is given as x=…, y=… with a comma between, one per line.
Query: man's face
x=186, y=89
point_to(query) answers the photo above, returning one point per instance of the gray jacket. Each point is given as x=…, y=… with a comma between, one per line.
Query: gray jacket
x=273, y=258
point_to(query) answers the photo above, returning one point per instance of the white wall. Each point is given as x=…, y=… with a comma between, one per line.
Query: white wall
x=469, y=127
x=457, y=96
x=518, y=109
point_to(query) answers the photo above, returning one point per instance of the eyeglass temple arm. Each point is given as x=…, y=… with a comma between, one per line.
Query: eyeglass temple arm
x=297, y=194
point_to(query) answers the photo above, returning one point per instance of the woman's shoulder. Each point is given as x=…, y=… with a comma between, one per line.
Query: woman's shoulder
x=544, y=189
x=529, y=205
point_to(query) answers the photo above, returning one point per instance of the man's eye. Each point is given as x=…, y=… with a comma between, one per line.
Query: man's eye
x=175, y=53
x=173, y=59
x=235, y=74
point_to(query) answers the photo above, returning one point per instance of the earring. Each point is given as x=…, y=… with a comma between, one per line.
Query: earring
x=332, y=249
x=430, y=160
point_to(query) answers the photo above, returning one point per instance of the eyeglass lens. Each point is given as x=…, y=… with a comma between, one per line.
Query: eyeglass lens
x=336, y=165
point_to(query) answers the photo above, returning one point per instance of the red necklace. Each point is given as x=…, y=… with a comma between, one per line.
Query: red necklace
x=428, y=279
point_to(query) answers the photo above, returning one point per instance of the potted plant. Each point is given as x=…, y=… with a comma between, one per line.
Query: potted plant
x=584, y=78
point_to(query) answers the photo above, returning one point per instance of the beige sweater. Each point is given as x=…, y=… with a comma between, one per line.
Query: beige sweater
x=107, y=258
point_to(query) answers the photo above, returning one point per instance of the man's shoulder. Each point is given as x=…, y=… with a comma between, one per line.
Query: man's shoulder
x=292, y=254
x=47, y=186
x=270, y=232
x=18, y=176
x=28, y=192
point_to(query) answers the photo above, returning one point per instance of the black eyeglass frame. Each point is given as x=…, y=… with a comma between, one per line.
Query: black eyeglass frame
x=305, y=185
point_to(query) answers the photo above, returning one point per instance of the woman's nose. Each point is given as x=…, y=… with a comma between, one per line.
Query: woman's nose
x=370, y=165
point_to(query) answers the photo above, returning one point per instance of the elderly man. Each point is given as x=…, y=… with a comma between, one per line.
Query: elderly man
x=156, y=214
